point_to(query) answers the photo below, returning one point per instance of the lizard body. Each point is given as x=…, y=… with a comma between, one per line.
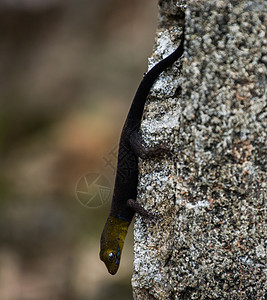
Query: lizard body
x=131, y=147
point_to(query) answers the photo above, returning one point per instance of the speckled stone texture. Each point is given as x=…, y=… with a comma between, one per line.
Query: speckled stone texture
x=211, y=108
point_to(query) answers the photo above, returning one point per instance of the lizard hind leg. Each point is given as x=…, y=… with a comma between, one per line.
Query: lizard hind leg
x=141, y=150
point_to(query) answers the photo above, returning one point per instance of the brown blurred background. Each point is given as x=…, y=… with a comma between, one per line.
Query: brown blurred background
x=68, y=72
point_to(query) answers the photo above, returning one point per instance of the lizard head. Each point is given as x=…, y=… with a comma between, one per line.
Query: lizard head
x=112, y=240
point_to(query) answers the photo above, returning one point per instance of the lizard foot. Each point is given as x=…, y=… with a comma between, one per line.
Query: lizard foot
x=135, y=206
x=140, y=149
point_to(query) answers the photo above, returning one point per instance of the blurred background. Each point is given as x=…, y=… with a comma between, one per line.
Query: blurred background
x=68, y=72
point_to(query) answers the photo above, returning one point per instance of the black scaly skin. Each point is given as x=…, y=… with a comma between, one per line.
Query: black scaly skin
x=131, y=145
x=124, y=204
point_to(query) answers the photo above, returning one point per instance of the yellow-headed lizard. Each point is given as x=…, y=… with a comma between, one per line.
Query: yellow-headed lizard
x=131, y=146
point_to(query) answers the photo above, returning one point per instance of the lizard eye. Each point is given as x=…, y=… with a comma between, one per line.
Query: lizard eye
x=111, y=256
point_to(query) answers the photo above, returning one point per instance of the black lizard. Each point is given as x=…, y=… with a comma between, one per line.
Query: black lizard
x=131, y=147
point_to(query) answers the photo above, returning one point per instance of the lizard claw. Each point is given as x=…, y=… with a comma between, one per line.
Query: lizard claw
x=135, y=206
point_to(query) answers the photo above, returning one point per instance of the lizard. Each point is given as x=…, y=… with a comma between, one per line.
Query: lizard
x=131, y=146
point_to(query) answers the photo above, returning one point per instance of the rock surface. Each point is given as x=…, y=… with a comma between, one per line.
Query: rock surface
x=211, y=108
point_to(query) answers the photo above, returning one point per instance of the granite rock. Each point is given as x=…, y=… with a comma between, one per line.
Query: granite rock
x=210, y=107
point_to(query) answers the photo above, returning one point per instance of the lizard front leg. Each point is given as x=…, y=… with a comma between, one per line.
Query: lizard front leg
x=138, y=208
